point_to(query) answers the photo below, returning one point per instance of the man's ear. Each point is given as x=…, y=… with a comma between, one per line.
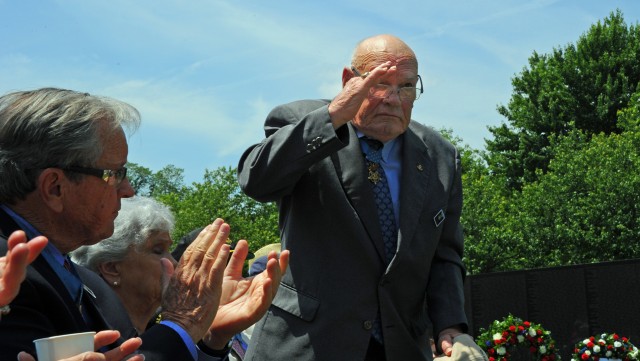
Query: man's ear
x=347, y=74
x=50, y=185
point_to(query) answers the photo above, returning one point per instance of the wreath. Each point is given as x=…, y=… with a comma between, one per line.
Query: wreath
x=610, y=346
x=502, y=337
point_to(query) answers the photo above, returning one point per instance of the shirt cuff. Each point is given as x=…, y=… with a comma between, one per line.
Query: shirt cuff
x=185, y=337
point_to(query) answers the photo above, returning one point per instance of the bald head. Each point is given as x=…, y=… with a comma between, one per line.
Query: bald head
x=380, y=48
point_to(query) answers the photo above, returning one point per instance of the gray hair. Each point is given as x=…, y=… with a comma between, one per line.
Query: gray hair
x=137, y=220
x=52, y=127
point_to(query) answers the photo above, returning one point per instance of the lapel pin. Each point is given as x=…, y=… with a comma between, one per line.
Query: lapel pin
x=89, y=291
x=439, y=218
x=420, y=167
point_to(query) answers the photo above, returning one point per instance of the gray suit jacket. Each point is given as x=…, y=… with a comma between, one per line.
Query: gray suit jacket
x=337, y=281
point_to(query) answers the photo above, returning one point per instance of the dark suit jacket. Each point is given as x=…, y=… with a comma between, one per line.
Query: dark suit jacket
x=44, y=308
x=337, y=281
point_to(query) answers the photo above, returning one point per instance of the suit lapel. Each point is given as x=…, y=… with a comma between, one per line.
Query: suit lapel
x=351, y=170
x=41, y=265
x=104, y=306
x=8, y=226
x=416, y=166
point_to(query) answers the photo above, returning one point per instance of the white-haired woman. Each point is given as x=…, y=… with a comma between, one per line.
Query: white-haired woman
x=135, y=261
x=130, y=260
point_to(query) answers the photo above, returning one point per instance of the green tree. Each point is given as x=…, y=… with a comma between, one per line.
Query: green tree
x=580, y=86
x=584, y=209
x=145, y=182
x=219, y=196
x=139, y=177
x=486, y=207
x=198, y=204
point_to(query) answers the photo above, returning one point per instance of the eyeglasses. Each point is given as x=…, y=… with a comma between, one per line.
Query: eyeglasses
x=382, y=91
x=112, y=177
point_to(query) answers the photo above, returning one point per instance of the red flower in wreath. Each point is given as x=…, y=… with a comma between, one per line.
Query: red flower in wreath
x=610, y=346
x=499, y=340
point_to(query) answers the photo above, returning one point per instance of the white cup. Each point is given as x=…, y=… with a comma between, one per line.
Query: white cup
x=59, y=347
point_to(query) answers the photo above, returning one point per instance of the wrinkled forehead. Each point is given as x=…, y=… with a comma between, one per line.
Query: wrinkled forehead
x=375, y=51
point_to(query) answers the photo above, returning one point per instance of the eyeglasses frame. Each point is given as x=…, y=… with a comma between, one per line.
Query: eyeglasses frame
x=366, y=74
x=104, y=174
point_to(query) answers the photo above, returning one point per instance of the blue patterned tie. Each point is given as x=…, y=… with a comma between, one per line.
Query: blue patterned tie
x=386, y=216
x=72, y=281
x=382, y=195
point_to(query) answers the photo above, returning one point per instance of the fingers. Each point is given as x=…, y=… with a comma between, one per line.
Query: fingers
x=21, y=253
x=167, y=272
x=371, y=77
x=362, y=84
x=104, y=338
x=36, y=246
x=17, y=242
x=238, y=256
x=276, y=267
x=446, y=339
x=23, y=356
x=129, y=347
x=215, y=236
x=13, y=273
x=16, y=238
x=208, y=253
x=201, y=244
x=284, y=260
x=447, y=345
x=217, y=255
x=193, y=295
x=355, y=89
x=96, y=356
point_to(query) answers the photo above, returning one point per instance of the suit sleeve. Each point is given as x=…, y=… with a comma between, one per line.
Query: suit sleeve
x=161, y=343
x=445, y=292
x=297, y=136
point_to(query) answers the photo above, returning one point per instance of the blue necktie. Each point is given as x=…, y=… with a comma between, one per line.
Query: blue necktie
x=382, y=195
x=74, y=285
x=72, y=280
x=386, y=215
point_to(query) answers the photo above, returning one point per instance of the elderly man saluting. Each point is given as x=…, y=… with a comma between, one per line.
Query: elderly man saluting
x=62, y=164
x=371, y=198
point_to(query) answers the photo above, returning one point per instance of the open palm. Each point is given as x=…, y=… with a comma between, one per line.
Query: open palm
x=245, y=300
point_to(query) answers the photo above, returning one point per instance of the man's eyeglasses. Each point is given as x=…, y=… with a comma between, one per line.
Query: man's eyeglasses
x=405, y=93
x=112, y=176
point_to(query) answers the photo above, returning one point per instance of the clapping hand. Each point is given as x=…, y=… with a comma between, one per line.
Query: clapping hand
x=193, y=295
x=244, y=300
x=13, y=267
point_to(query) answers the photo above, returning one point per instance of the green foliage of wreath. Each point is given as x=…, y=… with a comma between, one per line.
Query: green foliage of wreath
x=502, y=337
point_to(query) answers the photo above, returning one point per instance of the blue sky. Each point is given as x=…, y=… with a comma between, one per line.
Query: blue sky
x=205, y=73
